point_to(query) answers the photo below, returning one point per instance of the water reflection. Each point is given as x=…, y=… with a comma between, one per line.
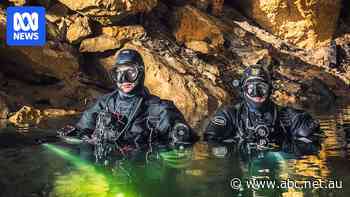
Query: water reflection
x=88, y=179
x=141, y=174
x=55, y=169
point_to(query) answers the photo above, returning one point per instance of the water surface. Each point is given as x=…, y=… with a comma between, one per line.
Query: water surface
x=31, y=168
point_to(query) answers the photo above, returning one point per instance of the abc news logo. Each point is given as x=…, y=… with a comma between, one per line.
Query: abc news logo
x=26, y=26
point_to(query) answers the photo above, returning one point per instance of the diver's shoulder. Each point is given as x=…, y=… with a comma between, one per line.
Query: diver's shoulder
x=106, y=96
x=289, y=110
x=293, y=114
x=165, y=103
x=153, y=100
x=229, y=109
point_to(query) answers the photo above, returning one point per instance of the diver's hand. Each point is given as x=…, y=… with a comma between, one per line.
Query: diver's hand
x=68, y=130
x=91, y=140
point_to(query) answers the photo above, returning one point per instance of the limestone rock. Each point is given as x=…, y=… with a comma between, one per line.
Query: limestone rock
x=311, y=85
x=2, y=24
x=110, y=7
x=201, y=4
x=307, y=24
x=106, y=59
x=252, y=44
x=79, y=30
x=18, y=2
x=215, y=5
x=44, y=3
x=254, y=56
x=124, y=33
x=4, y=109
x=199, y=46
x=57, y=60
x=56, y=12
x=56, y=32
x=191, y=24
x=96, y=66
x=107, y=20
x=29, y=116
x=99, y=44
x=26, y=115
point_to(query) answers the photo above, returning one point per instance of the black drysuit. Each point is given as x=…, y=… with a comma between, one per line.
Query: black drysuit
x=154, y=117
x=235, y=122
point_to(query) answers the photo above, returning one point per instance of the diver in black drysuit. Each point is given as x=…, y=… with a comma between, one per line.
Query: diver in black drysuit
x=130, y=116
x=258, y=120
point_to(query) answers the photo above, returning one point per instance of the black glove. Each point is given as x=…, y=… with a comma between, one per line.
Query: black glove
x=70, y=130
x=67, y=130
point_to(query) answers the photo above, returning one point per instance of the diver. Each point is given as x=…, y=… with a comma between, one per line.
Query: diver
x=130, y=117
x=257, y=120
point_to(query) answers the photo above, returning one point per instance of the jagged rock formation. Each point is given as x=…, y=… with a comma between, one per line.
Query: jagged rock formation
x=190, y=24
x=307, y=24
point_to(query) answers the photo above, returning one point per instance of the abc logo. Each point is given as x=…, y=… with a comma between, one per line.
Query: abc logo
x=33, y=20
x=26, y=26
